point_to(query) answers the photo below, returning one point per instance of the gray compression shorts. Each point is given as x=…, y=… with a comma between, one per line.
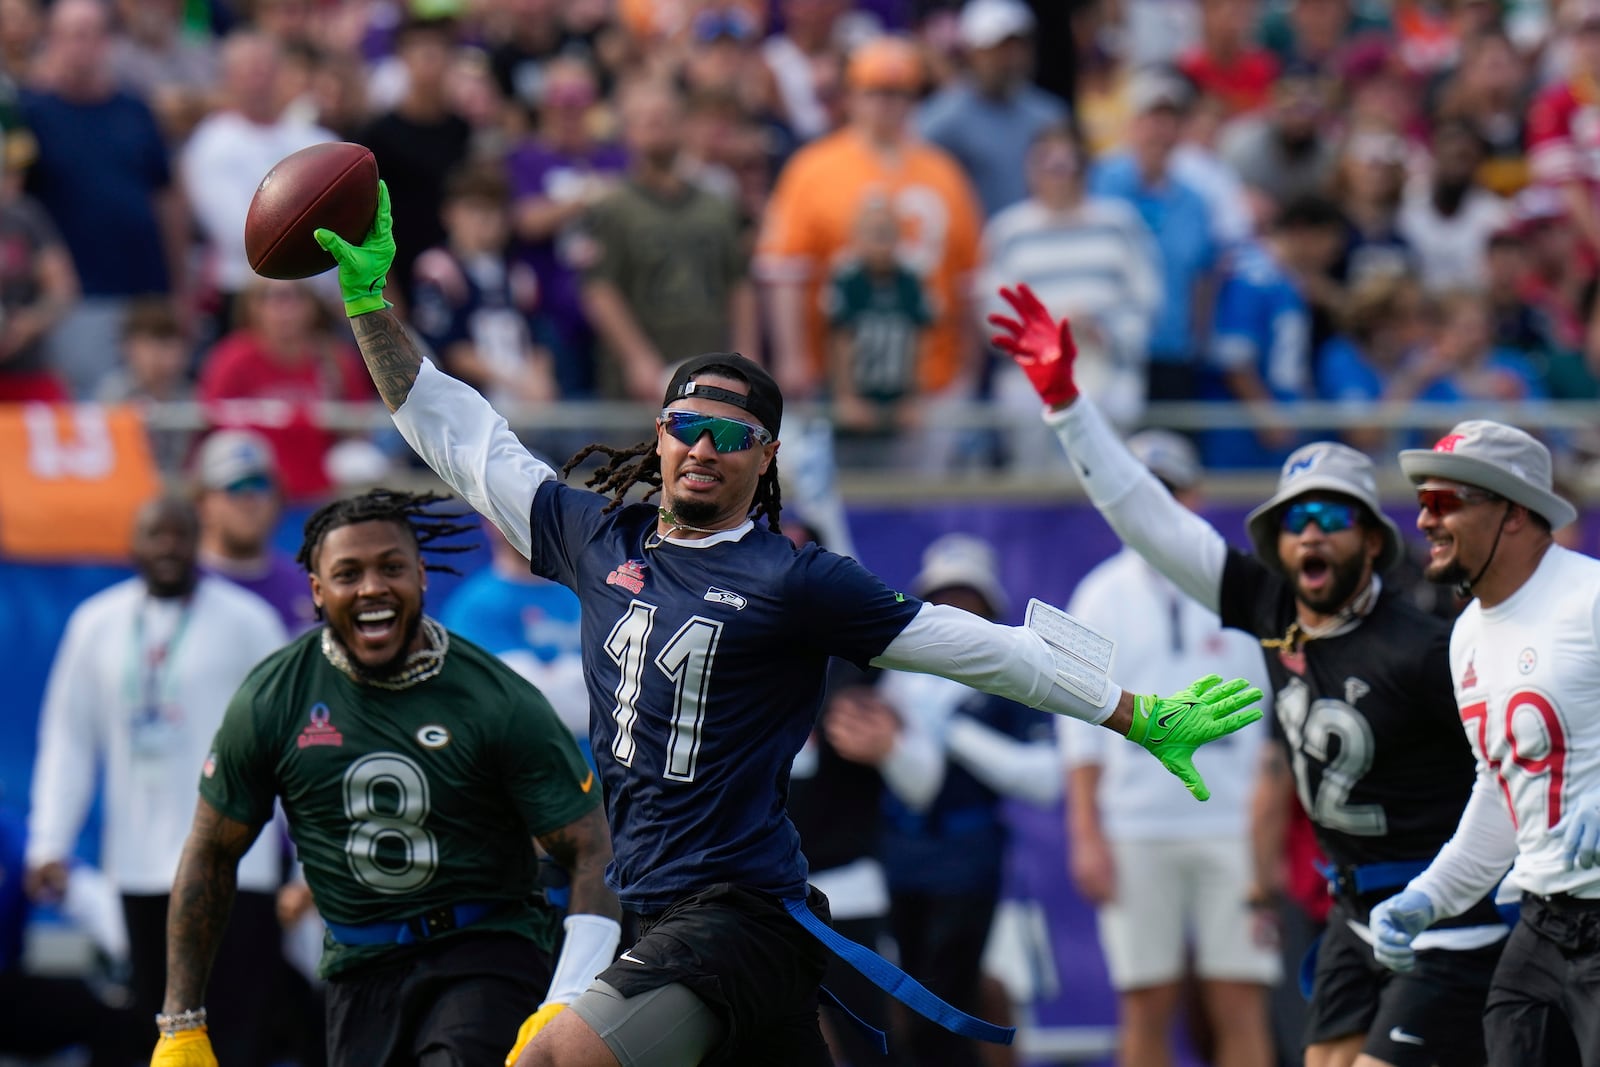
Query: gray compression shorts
x=664, y=1027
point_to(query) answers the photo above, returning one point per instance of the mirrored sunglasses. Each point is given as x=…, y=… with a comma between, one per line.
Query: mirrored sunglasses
x=250, y=483
x=727, y=435
x=1442, y=502
x=1330, y=516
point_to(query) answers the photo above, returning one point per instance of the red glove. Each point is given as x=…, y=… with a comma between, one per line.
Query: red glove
x=1042, y=349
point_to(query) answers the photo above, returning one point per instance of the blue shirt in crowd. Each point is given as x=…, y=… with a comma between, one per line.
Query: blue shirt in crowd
x=1181, y=222
x=990, y=136
x=98, y=171
x=1261, y=322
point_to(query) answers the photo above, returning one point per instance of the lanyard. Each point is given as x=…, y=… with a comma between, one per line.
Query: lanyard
x=150, y=670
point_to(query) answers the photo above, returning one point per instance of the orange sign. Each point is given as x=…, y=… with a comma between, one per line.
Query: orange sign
x=72, y=477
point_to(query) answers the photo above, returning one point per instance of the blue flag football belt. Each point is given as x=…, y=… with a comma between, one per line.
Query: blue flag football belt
x=895, y=982
x=413, y=930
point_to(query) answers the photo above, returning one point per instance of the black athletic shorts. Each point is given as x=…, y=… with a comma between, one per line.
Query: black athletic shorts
x=454, y=1003
x=747, y=958
x=1431, y=1015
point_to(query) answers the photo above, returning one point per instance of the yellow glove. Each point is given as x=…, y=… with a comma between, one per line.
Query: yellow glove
x=530, y=1026
x=186, y=1048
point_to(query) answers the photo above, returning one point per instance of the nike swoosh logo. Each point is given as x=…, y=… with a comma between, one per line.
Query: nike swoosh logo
x=1400, y=1037
x=588, y=783
x=1166, y=720
x=631, y=958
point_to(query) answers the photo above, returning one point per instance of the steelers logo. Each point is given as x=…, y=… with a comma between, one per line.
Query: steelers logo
x=1527, y=660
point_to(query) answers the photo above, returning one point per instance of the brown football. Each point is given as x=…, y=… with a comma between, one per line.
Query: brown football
x=327, y=186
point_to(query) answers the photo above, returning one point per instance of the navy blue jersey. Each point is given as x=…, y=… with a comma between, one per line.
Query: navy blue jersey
x=705, y=663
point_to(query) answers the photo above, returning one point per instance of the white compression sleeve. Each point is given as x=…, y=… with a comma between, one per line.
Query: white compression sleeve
x=1009, y=661
x=1030, y=771
x=468, y=444
x=1176, y=541
x=589, y=948
x=1477, y=855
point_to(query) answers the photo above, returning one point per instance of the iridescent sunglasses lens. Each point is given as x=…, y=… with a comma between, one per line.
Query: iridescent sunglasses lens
x=727, y=435
x=1330, y=517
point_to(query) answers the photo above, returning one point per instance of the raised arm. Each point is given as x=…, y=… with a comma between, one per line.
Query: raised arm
x=447, y=422
x=202, y=897
x=1177, y=542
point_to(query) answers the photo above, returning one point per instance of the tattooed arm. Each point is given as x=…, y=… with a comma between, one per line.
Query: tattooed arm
x=583, y=847
x=202, y=897
x=392, y=357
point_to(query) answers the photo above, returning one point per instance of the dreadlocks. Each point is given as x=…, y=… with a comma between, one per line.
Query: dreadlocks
x=618, y=476
x=410, y=510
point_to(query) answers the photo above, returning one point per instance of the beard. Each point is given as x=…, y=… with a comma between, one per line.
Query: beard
x=390, y=667
x=1344, y=580
x=694, y=512
x=1452, y=573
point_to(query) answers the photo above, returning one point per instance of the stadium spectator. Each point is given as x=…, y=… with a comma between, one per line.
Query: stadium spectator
x=138, y=686
x=530, y=623
x=238, y=502
x=1523, y=654
x=475, y=304
x=154, y=369
x=1383, y=356
x=807, y=65
x=1368, y=186
x=724, y=59
x=876, y=154
x=420, y=141
x=1312, y=32
x=1517, y=325
x=877, y=315
x=944, y=832
x=1163, y=874
x=174, y=70
x=228, y=154
x=524, y=37
x=1181, y=222
x=1447, y=218
x=1560, y=270
x=271, y=372
x=1260, y=351
x=1489, y=91
x=38, y=287
x=1091, y=258
x=435, y=946
x=1103, y=74
x=1348, y=662
x=716, y=894
x=989, y=116
x=667, y=273
x=103, y=178
x=1478, y=369
x=1287, y=152
x=1196, y=163
x=559, y=171
x=1228, y=63
x=475, y=95
x=21, y=30
x=1561, y=134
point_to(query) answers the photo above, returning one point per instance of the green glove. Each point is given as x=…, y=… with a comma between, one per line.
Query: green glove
x=364, y=268
x=1171, y=728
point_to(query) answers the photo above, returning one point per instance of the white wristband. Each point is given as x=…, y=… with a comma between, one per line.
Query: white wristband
x=590, y=947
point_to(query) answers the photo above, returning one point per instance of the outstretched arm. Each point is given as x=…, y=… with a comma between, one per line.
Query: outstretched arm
x=1177, y=542
x=448, y=423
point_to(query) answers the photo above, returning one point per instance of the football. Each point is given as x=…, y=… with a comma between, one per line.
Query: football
x=332, y=186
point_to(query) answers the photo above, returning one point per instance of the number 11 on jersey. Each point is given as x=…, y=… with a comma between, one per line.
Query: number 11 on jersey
x=686, y=662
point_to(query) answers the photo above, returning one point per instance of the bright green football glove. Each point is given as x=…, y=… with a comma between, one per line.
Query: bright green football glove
x=364, y=268
x=1171, y=728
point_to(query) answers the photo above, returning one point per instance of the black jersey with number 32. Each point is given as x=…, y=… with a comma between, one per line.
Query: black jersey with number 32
x=1369, y=717
x=705, y=662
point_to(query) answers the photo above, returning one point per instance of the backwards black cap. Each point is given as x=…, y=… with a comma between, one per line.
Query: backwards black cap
x=764, y=400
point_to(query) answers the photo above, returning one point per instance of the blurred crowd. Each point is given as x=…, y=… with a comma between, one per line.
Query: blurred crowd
x=1256, y=202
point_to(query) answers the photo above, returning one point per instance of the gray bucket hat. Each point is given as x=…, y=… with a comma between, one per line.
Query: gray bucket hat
x=1329, y=467
x=1493, y=456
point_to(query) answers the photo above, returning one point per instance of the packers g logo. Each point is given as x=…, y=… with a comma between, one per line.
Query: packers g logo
x=433, y=736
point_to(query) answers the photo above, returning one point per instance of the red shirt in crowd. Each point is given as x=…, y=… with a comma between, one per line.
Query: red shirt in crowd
x=1243, y=83
x=1564, y=133
x=243, y=385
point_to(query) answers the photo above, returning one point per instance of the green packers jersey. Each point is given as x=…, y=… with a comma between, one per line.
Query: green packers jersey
x=406, y=800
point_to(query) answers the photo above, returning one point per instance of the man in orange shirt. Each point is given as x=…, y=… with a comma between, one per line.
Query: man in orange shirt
x=810, y=222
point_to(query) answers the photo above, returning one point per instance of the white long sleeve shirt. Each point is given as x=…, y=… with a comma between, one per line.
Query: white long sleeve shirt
x=470, y=446
x=1526, y=672
x=1164, y=641
x=125, y=655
